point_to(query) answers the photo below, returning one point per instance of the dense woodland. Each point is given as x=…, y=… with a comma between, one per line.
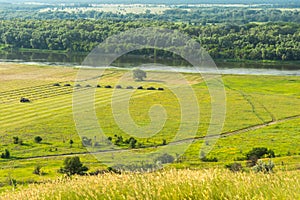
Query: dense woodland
x=268, y=41
x=196, y=16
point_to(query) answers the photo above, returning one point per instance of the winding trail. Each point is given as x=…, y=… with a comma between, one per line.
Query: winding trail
x=222, y=135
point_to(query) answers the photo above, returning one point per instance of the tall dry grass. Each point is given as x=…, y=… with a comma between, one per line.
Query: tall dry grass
x=171, y=184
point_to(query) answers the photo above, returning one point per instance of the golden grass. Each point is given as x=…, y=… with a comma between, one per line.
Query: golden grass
x=168, y=184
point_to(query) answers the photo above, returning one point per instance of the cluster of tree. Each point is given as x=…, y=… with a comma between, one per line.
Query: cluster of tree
x=200, y=15
x=17, y=140
x=253, y=161
x=271, y=41
x=132, y=142
x=6, y=154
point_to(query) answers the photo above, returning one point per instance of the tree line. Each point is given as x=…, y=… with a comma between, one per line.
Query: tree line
x=194, y=16
x=268, y=41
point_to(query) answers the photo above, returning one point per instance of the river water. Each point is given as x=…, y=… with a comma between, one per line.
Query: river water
x=130, y=61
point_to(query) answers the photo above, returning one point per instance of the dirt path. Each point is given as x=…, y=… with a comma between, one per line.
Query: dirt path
x=239, y=131
x=225, y=134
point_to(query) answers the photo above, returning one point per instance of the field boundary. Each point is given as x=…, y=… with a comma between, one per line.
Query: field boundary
x=225, y=134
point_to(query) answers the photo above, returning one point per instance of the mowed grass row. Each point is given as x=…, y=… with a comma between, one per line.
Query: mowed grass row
x=18, y=76
x=240, y=113
x=168, y=184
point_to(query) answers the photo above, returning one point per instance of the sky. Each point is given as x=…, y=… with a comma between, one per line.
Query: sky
x=157, y=1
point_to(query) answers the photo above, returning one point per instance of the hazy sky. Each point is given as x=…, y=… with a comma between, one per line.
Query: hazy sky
x=156, y=1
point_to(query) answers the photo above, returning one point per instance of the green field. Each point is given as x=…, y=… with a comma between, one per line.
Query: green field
x=262, y=111
x=171, y=184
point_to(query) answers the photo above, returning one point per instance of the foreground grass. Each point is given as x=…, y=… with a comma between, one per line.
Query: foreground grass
x=170, y=184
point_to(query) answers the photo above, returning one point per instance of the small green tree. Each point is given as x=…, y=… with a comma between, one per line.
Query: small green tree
x=260, y=152
x=6, y=154
x=71, y=143
x=257, y=153
x=38, y=139
x=234, y=167
x=132, y=142
x=139, y=74
x=16, y=140
x=73, y=165
x=38, y=170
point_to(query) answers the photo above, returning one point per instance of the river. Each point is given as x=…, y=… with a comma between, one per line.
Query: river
x=129, y=61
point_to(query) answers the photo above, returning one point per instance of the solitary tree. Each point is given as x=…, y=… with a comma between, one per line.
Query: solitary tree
x=71, y=143
x=73, y=165
x=16, y=140
x=139, y=74
x=38, y=139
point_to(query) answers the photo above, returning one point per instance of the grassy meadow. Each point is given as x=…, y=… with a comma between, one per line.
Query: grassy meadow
x=169, y=184
x=270, y=101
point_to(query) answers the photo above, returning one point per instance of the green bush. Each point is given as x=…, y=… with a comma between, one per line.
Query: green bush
x=6, y=154
x=264, y=167
x=260, y=152
x=38, y=170
x=73, y=165
x=234, y=167
x=208, y=159
x=139, y=74
x=38, y=139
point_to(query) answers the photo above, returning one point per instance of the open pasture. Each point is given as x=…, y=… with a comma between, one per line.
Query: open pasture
x=250, y=101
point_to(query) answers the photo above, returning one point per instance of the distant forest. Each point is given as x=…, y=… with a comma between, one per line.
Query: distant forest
x=199, y=16
x=268, y=41
x=266, y=32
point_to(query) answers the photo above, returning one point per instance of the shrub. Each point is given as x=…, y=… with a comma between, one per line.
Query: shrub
x=252, y=161
x=73, y=165
x=88, y=86
x=165, y=158
x=67, y=85
x=38, y=170
x=107, y=86
x=6, y=154
x=77, y=85
x=140, y=88
x=264, y=167
x=11, y=181
x=119, y=140
x=97, y=144
x=234, y=167
x=129, y=87
x=38, y=139
x=98, y=86
x=160, y=88
x=259, y=152
x=16, y=140
x=118, y=86
x=132, y=142
x=139, y=74
x=164, y=142
x=207, y=159
x=86, y=141
x=71, y=143
x=56, y=84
